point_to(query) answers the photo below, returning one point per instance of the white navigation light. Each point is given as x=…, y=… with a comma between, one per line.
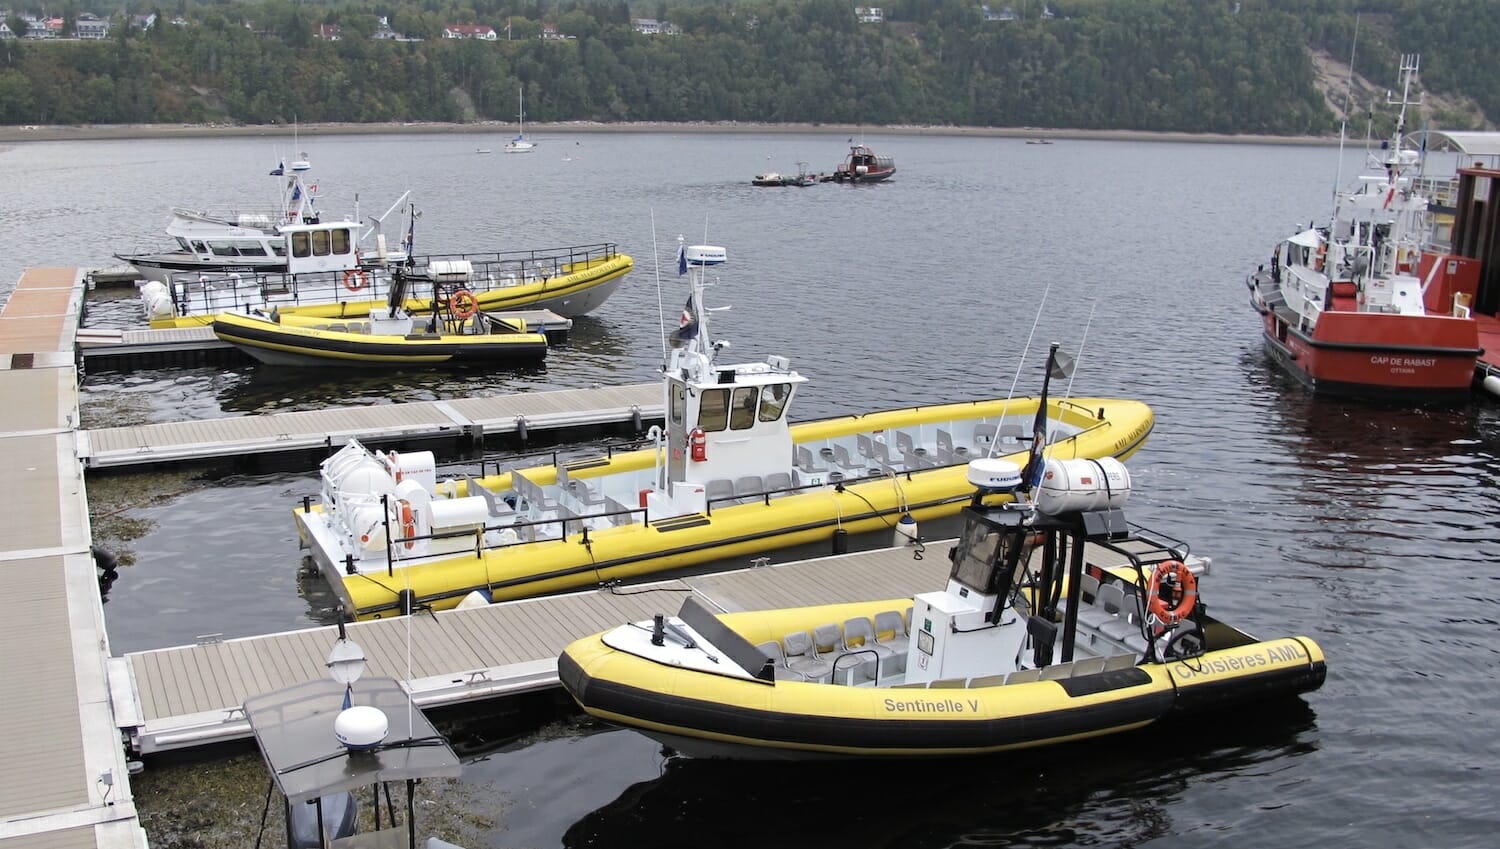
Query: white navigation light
x=994, y=473
x=361, y=727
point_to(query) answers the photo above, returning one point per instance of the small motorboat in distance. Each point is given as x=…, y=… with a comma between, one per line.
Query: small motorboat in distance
x=770, y=179
x=1060, y=620
x=456, y=332
x=862, y=165
x=727, y=476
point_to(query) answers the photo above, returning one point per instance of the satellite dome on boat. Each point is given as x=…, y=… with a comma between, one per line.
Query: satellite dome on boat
x=361, y=726
x=994, y=473
x=706, y=254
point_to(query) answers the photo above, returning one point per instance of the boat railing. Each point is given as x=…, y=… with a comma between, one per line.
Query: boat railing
x=198, y=293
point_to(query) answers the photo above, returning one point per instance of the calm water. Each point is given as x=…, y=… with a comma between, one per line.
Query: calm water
x=1370, y=529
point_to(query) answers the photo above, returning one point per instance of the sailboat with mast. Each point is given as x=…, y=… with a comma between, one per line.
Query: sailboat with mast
x=520, y=144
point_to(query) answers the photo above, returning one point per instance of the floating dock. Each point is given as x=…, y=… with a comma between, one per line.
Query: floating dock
x=464, y=423
x=64, y=779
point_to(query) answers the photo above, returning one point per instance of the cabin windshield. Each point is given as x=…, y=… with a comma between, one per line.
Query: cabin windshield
x=713, y=410
x=773, y=401
x=991, y=556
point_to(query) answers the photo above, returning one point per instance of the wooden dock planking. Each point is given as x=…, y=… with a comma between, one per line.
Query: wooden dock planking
x=41, y=315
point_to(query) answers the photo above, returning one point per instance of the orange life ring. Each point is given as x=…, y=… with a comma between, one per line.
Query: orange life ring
x=355, y=279
x=408, y=523
x=1187, y=592
x=1322, y=252
x=463, y=303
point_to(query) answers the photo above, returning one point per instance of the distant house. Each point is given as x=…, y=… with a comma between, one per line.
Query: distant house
x=328, y=32
x=479, y=31
x=91, y=26
x=647, y=26
x=550, y=33
x=871, y=15
x=1005, y=14
x=179, y=21
x=5, y=30
x=144, y=22
x=1047, y=13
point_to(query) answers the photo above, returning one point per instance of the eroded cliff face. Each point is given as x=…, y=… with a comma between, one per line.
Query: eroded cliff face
x=1339, y=86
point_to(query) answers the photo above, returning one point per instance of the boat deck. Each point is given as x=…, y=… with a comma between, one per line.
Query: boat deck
x=64, y=782
x=462, y=420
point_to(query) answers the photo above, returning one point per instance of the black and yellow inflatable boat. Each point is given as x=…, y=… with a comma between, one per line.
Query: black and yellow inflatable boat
x=1031, y=643
x=306, y=341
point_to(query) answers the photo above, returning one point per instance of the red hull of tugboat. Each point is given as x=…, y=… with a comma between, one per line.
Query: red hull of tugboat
x=1379, y=356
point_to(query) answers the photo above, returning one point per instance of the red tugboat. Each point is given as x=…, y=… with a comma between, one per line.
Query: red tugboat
x=1360, y=307
x=862, y=165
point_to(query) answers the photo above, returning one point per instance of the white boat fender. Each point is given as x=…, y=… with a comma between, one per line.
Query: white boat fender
x=1492, y=384
x=477, y=598
x=906, y=531
x=521, y=429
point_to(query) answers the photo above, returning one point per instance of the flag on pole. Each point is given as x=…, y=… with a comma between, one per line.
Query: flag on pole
x=280, y=169
x=687, y=328
x=682, y=264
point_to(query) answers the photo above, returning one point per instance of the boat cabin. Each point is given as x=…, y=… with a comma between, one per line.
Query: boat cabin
x=724, y=421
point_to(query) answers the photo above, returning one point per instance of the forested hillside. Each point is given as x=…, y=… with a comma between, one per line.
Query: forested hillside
x=1178, y=65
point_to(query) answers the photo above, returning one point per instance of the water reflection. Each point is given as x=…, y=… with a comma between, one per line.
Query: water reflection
x=1114, y=791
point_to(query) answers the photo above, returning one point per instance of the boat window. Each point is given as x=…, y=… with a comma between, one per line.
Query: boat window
x=223, y=249
x=301, y=244
x=320, y=242
x=773, y=401
x=200, y=248
x=251, y=248
x=679, y=402
x=183, y=243
x=976, y=556
x=744, y=408
x=278, y=248
x=340, y=241
x=713, y=409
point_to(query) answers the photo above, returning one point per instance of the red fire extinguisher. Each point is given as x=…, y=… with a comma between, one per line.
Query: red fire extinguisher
x=698, y=444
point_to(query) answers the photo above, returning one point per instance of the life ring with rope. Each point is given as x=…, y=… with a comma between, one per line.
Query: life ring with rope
x=463, y=303
x=408, y=523
x=1175, y=578
x=355, y=279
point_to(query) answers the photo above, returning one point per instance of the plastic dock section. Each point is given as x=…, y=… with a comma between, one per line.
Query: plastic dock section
x=191, y=695
x=64, y=781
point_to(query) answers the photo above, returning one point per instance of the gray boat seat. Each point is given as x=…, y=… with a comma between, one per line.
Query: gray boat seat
x=749, y=486
x=803, y=659
x=987, y=681
x=1089, y=665
x=493, y=503
x=1022, y=676
x=1119, y=661
x=778, y=481
x=1011, y=434
x=1056, y=671
x=1118, y=626
x=772, y=649
x=890, y=630
x=719, y=492
x=949, y=684
x=859, y=636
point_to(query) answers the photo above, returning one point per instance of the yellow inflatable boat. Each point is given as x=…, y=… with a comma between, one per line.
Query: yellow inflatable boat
x=728, y=476
x=1031, y=643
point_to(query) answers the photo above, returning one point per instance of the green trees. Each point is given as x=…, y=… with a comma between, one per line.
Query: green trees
x=1233, y=67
